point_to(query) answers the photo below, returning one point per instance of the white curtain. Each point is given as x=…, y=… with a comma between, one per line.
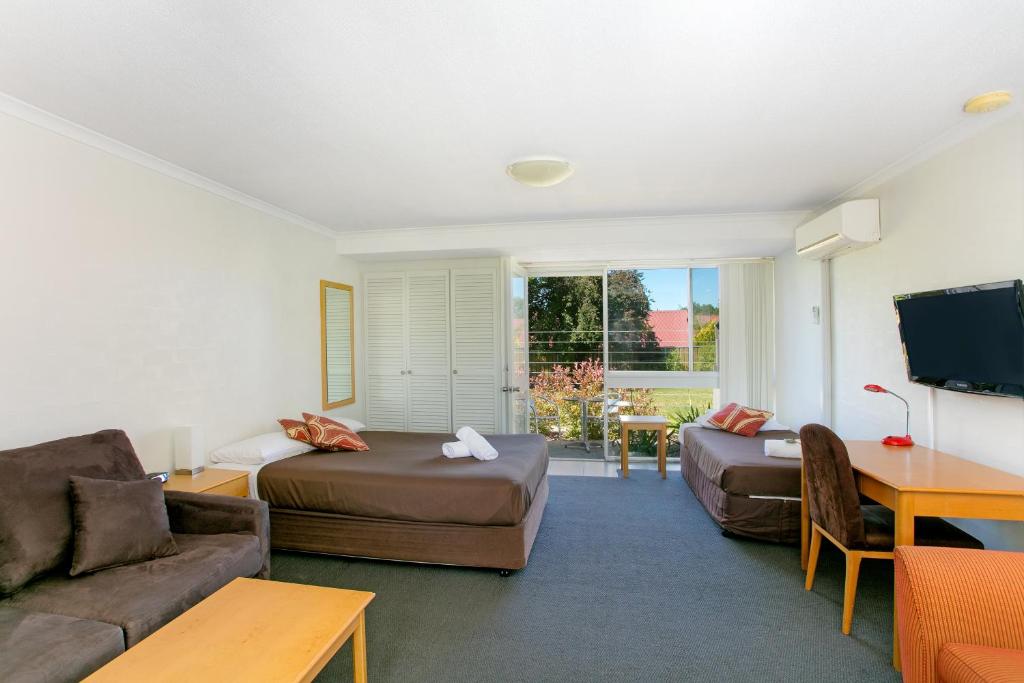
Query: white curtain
x=747, y=327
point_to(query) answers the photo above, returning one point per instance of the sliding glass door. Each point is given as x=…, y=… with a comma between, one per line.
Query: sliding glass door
x=566, y=360
x=662, y=348
x=625, y=341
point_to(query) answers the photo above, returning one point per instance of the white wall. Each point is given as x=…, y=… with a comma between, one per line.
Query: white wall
x=956, y=219
x=799, y=341
x=132, y=300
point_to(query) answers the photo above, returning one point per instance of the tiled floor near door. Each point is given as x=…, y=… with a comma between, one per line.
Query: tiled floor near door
x=585, y=468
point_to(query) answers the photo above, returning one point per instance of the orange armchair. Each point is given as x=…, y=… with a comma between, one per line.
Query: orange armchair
x=960, y=615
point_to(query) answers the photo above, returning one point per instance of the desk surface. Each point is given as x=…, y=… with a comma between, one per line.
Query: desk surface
x=922, y=469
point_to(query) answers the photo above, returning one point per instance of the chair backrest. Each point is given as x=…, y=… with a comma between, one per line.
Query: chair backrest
x=831, y=489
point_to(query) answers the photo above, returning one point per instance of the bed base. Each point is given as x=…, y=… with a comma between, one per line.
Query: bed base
x=765, y=518
x=466, y=545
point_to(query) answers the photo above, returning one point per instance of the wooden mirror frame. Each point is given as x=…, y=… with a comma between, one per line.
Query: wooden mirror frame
x=324, y=286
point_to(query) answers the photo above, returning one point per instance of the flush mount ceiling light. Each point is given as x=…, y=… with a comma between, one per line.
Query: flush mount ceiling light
x=987, y=102
x=540, y=172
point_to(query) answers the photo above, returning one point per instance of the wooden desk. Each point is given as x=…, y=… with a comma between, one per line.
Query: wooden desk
x=211, y=480
x=250, y=630
x=921, y=482
x=636, y=423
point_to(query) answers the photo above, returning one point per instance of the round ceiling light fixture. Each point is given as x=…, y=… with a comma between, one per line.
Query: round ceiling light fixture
x=987, y=102
x=540, y=172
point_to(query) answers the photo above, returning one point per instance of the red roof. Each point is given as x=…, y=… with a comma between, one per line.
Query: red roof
x=670, y=327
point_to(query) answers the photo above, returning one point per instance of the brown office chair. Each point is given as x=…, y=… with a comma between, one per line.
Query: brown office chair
x=859, y=531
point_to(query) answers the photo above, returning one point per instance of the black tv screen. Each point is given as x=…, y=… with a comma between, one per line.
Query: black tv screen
x=965, y=338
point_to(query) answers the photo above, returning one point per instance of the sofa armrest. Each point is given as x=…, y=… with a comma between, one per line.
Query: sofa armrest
x=951, y=595
x=204, y=513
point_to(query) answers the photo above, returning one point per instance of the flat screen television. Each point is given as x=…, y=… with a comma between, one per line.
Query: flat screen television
x=965, y=338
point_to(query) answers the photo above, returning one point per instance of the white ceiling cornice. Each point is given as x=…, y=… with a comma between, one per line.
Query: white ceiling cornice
x=44, y=119
x=673, y=234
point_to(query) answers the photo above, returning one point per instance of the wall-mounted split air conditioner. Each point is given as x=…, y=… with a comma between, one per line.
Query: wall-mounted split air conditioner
x=851, y=225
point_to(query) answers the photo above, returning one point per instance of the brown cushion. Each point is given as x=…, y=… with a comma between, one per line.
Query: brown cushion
x=879, y=531
x=960, y=663
x=37, y=647
x=118, y=522
x=35, y=500
x=142, y=597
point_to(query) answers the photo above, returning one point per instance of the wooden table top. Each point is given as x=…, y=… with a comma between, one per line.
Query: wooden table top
x=206, y=479
x=643, y=419
x=922, y=469
x=250, y=630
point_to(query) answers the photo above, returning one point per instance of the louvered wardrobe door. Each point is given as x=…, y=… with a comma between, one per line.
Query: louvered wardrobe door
x=429, y=368
x=476, y=361
x=386, y=402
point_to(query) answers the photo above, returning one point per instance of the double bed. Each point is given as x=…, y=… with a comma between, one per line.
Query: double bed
x=403, y=500
x=746, y=492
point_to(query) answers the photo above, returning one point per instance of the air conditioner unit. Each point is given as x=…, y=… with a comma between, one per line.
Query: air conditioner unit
x=851, y=225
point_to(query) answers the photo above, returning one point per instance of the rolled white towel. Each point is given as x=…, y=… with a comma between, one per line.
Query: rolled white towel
x=782, y=448
x=455, y=449
x=478, y=445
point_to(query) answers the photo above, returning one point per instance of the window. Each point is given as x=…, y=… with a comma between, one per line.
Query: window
x=663, y=320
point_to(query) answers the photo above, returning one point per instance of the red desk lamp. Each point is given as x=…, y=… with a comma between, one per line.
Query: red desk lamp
x=893, y=440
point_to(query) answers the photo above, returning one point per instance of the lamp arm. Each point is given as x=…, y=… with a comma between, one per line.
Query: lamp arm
x=908, y=409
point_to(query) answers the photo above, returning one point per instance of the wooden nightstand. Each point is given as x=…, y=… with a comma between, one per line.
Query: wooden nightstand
x=221, y=482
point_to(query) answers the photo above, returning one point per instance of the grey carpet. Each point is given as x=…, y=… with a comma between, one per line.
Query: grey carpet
x=629, y=580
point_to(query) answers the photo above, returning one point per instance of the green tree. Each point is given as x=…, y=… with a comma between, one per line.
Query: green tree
x=632, y=344
x=566, y=324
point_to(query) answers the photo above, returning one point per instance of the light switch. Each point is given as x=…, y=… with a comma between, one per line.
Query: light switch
x=816, y=315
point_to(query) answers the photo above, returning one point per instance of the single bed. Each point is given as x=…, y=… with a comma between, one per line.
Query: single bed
x=746, y=492
x=403, y=500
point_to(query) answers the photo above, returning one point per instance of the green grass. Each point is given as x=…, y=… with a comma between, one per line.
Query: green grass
x=669, y=399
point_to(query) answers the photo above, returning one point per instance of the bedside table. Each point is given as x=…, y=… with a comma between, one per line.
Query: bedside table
x=221, y=482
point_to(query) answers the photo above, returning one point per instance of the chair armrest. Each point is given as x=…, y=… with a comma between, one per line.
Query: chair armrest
x=205, y=513
x=951, y=595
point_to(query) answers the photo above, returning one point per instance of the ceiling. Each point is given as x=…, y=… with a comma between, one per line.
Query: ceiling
x=371, y=115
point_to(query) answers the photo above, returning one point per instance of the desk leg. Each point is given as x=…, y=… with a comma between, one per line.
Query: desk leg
x=359, y=650
x=663, y=452
x=805, y=519
x=904, y=535
x=624, y=462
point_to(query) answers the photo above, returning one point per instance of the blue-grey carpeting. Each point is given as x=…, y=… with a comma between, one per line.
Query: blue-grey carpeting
x=629, y=580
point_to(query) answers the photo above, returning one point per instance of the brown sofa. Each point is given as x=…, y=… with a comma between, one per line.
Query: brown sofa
x=57, y=628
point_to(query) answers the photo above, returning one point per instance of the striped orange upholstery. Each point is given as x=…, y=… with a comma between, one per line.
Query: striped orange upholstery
x=959, y=663
x=952, y=595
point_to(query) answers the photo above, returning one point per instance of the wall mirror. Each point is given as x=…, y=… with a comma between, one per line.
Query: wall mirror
x=337, y=345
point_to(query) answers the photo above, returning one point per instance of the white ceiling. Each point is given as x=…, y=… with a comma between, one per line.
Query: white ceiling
x=368, y=115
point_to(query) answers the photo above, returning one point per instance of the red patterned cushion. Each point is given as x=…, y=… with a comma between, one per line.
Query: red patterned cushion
x=740, y=419
x=332, y=436
x=296, y=429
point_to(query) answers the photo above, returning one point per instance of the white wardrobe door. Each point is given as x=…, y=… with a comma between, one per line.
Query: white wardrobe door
x=386, y=401
x=476, y=361
x=429, y=366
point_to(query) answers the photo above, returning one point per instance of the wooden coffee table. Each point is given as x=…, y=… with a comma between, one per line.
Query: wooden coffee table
x=251, y=630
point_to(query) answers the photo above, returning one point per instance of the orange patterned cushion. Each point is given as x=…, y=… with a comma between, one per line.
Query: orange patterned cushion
x=740, y=419
x=296, y=429
x=332, y=436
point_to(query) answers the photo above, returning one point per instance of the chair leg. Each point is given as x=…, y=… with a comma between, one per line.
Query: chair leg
x=850, y=591
x=812, y=558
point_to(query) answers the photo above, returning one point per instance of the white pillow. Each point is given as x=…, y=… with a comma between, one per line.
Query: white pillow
x=354, y=425
x=259, y=450
x=770, y=425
